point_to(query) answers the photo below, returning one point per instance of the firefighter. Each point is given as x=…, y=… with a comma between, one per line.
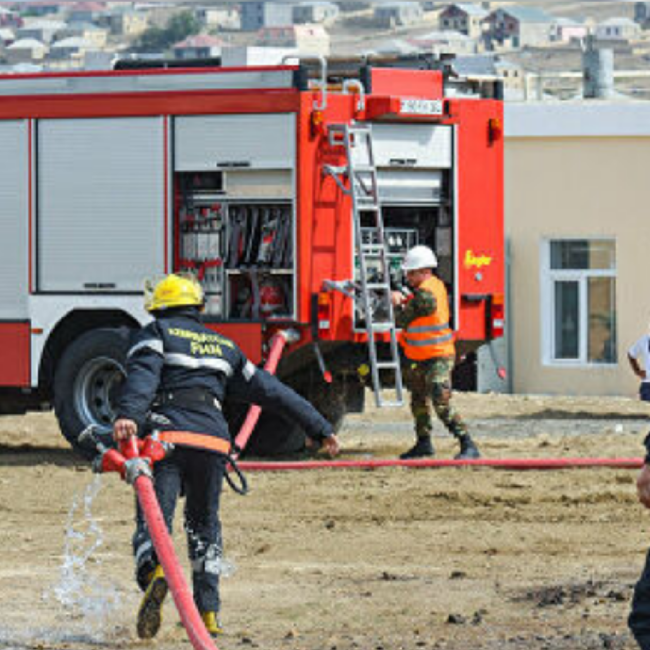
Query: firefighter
x=178, y=374
x=428, y=353
x=639, y=619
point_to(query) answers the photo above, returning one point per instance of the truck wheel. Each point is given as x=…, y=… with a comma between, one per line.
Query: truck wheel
x=277, y=436
x=87, y=381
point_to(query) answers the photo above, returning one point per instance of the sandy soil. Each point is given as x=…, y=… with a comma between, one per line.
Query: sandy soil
x=341, y=560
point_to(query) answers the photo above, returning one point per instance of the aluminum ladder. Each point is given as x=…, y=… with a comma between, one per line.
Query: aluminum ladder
x=370, y=249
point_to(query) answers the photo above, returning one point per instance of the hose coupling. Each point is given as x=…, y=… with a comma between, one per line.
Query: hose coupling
x=134, y=468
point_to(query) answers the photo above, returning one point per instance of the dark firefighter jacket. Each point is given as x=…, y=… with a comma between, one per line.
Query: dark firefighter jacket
x=177, y=355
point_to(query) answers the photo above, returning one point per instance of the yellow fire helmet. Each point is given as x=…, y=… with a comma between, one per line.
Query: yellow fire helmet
x=173, y=290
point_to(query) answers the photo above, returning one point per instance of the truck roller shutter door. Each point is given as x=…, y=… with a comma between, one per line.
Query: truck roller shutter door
x=206, y=143
x=412, y=146
x=14, y=178
x=101, y=203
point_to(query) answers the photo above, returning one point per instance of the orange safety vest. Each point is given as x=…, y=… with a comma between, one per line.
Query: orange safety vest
x=430, y=336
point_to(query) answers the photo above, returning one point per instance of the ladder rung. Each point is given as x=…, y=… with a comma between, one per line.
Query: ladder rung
x=381, y=365
x=383, y=402
x=378, y=285
x=382, y=327
x=364, y=169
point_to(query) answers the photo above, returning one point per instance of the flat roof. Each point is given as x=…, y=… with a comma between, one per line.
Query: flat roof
x=589, y=118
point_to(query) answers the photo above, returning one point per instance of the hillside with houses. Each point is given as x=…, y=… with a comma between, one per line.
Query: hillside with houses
x=535, y=51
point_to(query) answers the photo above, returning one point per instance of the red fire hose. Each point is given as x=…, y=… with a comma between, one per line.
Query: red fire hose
x=133, y=462
x=190, y=617
x=277, y=346
x=499, y=463
x=278, y=342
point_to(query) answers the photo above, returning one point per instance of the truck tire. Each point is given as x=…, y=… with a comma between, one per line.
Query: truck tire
x=87, y=380
x=277, y=436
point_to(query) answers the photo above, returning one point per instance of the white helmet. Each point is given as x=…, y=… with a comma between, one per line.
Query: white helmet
x=419, y=257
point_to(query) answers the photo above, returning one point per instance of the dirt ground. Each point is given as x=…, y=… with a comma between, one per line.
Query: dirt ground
x=457, y=558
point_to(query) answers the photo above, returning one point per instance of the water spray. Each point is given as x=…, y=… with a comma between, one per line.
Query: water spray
x=133, y=461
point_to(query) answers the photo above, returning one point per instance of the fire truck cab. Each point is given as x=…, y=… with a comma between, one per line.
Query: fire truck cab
x=245, y=177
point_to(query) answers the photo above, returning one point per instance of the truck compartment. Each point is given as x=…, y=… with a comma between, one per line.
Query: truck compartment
x=240, y=244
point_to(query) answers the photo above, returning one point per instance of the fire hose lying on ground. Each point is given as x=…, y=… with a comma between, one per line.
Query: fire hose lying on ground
x=135, y=458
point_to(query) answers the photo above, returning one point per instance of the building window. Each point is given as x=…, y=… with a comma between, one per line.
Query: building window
x=579, y=301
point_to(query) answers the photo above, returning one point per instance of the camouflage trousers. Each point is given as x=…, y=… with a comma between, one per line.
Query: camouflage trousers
x=429, y=382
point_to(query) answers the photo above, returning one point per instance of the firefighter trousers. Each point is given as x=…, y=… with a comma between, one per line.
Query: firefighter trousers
x=639, y=620
x=198, y=474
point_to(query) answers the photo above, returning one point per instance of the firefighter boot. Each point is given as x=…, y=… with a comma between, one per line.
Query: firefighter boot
x=423, y=447
x=468, y=450
x=212, y=624
x=150, y=612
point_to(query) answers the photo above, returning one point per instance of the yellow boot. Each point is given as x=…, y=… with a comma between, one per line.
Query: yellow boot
x=212, y=624
x=150, y=612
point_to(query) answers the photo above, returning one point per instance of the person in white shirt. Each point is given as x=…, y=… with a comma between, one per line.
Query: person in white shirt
x=641, y=350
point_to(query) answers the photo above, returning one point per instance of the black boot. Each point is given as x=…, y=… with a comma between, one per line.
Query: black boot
x=468, y=450
x=420, y=449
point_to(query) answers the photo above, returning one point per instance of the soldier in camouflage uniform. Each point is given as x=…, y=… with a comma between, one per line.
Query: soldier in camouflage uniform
x=429, y=352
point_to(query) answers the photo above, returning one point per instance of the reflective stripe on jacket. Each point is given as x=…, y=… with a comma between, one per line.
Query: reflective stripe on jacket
x=430, y=336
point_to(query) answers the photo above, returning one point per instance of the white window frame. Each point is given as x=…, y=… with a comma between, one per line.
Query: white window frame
x=547, y=308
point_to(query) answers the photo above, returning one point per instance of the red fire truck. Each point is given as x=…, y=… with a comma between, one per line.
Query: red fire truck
x=291, y=191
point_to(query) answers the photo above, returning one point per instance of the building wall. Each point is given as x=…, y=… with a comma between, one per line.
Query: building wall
x=256, y=15
x=534, y=33
x=576, y=170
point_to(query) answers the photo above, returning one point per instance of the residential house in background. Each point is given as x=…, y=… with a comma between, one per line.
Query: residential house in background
x=7, y=36
x=565, y=30
x=71, y=50
x=201, y=46
x=443, y=42
x=306, y=39
x=398, y=14
x=224, y=17
x=126, y=22
x=25, y=50
x=493, y=66
x=10, y=18
x=40, y=30
x=618, y=29
x=463, y=18
x=517, y=27
x=45, y=8
x=96, y=37
x=315, y=12
x=85, y=12
x=642, y=14
x=258, y=15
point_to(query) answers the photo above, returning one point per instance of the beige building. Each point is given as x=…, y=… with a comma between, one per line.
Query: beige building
x=577, y=203
x=127, y=23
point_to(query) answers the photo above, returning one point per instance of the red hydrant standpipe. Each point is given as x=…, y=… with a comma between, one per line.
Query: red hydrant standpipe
x=135, y=469
x=278, y=342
